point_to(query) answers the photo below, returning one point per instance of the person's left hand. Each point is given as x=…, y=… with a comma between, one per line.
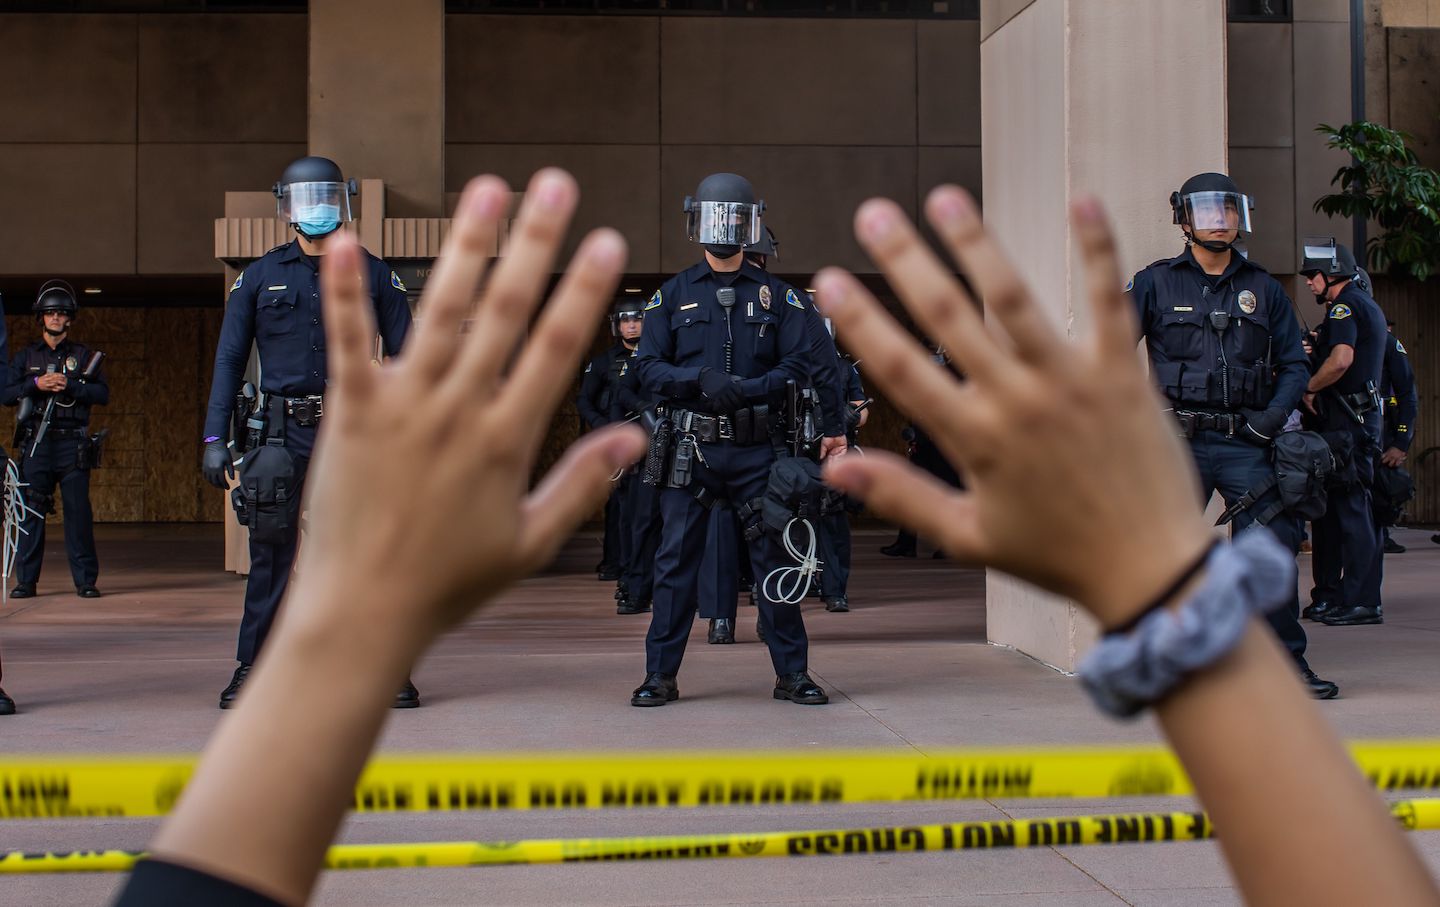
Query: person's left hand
x=1393, y=457
x=1309, y=402
x=423, y=465
x=833, y=447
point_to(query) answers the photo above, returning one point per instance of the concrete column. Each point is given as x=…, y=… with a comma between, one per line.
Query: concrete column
x=1123, y=99
x=377, y=96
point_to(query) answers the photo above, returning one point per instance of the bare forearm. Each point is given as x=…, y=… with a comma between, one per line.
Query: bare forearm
x=1330, y=371
x=1258, y=750
x=281, y=769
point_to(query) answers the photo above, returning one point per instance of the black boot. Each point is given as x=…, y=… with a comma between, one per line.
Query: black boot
x=408, y=697
x=1319, y=689
x=237, y=680
x=837, y=603
x=657, y=689
x=1393, y=547
x=1318, y=610
x=799, y=688
x=898, y=550
x=722, y=632
x=7, y=705
x=23, y=590
x=87, y=590
x=1354, y=616
x=631, y=606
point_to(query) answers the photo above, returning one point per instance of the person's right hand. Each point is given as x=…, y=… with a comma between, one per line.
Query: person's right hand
x=721, y=389
x=50, y=382
x=217, y=465
x=1393, y=457
x=1075, y=480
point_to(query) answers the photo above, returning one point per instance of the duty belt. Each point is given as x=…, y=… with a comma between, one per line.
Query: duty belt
x=306, y=411
x=1192, y=422
x=704, y=427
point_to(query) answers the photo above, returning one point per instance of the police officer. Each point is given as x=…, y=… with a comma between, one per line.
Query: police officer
x=833, y=531
x=275, y=305
x=1402, y=405
x=56, y=381
x=1225, y=349
x=7, y=705
x=1343, y=399
x=639, y=524
x=721, y=340
x=595, y=404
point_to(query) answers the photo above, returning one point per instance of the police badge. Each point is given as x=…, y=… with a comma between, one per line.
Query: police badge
x=1247, y=302
x=765, y=298
x=71, y=363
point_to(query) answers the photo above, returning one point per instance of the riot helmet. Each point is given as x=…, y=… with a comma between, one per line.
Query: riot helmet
x=625, y=313
x=767, y=248
x=314, y=197
x=1323, y=257
x=1211, y=201
x=55, y=296
x=723, y=214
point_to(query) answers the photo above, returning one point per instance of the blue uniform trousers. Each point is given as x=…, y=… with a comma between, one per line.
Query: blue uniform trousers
x=725, y=566
x=640, y=522
x=736, y=474
x=612, y=553
x=55, y=462
x=270, y=565
x=1347, y=545
x=1232, y=467
x=833, y=545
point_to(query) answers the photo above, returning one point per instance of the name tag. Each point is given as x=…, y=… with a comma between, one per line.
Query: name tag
x=1184, y=308
x=281, y=287
x=688, y=306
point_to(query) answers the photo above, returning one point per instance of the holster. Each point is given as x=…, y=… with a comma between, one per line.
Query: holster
x=657, y=458
x=91, y=451
x=267, y=496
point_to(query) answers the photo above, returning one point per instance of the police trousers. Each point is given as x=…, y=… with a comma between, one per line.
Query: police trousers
x=832, y=544
x=270, y=565
x=640, y=524
x=1232, y=467
x=56, y=461
x=725, y=569
x=1347, y=547
x=732, y=473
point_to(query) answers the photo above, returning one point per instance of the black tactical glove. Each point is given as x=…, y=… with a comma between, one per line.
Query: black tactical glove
x=216, y=464
x=722, y=390
x=1261, y=426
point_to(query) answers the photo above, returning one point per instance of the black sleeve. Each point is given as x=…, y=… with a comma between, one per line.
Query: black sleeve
x=592, y=383
x=17, y=381
x=155, y=883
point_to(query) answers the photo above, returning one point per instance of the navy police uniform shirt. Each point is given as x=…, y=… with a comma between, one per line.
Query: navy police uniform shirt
x=1354, y=320
x=685, y=331
x=596, y=401
x=1256, y=362
x=1402, y=403
x=275, y=303
x=72, y=405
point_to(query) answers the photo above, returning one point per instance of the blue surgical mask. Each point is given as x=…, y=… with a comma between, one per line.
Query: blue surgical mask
x=316, y=221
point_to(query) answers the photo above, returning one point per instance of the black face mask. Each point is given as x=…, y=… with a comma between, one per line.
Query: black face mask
x=722, y=251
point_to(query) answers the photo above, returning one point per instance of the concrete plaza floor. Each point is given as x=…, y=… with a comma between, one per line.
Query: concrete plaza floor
x=550, y=666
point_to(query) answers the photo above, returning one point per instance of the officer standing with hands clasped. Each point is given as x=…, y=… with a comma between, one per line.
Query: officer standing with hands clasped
x=596, y=404
x=275, y=304
x=1225, y=349
x=1343, y=400
x=722, y=339
x=56, y=381
x=1402, y=406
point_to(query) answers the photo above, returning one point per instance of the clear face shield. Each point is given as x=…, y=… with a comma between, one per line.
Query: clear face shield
x=1217, y=211
x=314, y=203
x=723, y=223
x=626, y=323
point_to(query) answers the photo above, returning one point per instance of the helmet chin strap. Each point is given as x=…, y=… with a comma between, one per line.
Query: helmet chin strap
x=1211, y=245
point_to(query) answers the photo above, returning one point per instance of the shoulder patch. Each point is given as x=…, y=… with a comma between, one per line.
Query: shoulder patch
x=1130, y=285
x=654, y=302
x=396, y=282
x=238, y=279
x=794, y=299
x=1340, y=310
x=1401, y=347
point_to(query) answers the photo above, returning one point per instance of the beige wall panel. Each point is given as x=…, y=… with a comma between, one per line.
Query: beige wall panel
x=1322, y=11
x=174, y=376
x=1268, y=176
x=552, y=79
x=182, y=192
x=115, y=504
x=1261, y=85
x=842, y=82
x=935, y=166
x=619, y=186
x=67, y=208
x=948, y=71
x=200, y=82
x=1377, y=64
x=214, y=506
x=1322, y=95
x=1414, y=88
x=810, y=193
x=67, y=78
x=995, y=13
x=377, y=96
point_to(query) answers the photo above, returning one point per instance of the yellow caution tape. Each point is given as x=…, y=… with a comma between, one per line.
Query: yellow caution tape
x=69, y=787
x=1057, y=832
